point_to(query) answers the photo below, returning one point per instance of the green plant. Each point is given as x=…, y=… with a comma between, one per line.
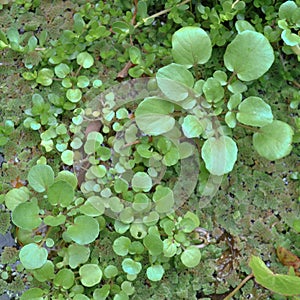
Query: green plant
x=148, y=150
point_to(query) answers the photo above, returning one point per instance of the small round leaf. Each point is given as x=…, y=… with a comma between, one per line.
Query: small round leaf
x=90, y=274
x=191, y=257
x=85, y=60
x=155, y=273
x=141, y=182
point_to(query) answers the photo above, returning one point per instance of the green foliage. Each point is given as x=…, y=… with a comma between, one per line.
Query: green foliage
x=148, y=150
x=287, y=285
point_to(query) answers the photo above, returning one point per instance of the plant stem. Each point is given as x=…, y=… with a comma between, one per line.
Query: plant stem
x=159, y=13
x=229, y=296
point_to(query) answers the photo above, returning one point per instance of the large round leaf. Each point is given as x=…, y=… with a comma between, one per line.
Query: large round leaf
x=40, y=177
x=250, y=55
x=77, y=254
x=273, y=141
x=90, y=274
x=191, y=256
x=175, y=81
x=32, y=256
x=255, y=112
x=191, y=46
x=26, y=215
x=84, y=231
x=153, y=116
x=60, y=192
x=219, y=155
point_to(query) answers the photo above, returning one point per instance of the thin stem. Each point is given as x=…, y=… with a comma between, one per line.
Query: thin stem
x=231, y=78
x=229, y=296
x=159, y=13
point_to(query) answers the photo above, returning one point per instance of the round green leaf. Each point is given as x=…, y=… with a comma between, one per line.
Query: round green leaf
x=175, y=81
x=138, y=230
x=60, y=192
x=64, y=278
x=213, y=90
x=77, y=254
x=26, y=215
x=90, y=274
x=154, y=244
x=230, y=119
x=191, y=127
x=141, y=182
x=93, y=207
x=84, y=231
x=16, y=196
x=191, y=256
x=68, y=177
x=169, y=247
x=40, y=177
x=46, y=272
x=67, y=157
x=153, y=116
x=45, y=77
x=164, y=199
x=83, y=81
x=121, y=245
x=219, y=155
x=111, y=271
x=32, y=256
x=101, y=293
x=131, y=267
x=155, y=273
x=85, y=60
x=55, y=221
x=74, y=95
x=62, y=70
x=191, y=46
x=255, y=112
x=33, y=294
x=250, y=55
x=273, y=141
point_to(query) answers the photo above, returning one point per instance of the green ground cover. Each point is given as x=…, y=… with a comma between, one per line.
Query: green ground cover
x=149, y=149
